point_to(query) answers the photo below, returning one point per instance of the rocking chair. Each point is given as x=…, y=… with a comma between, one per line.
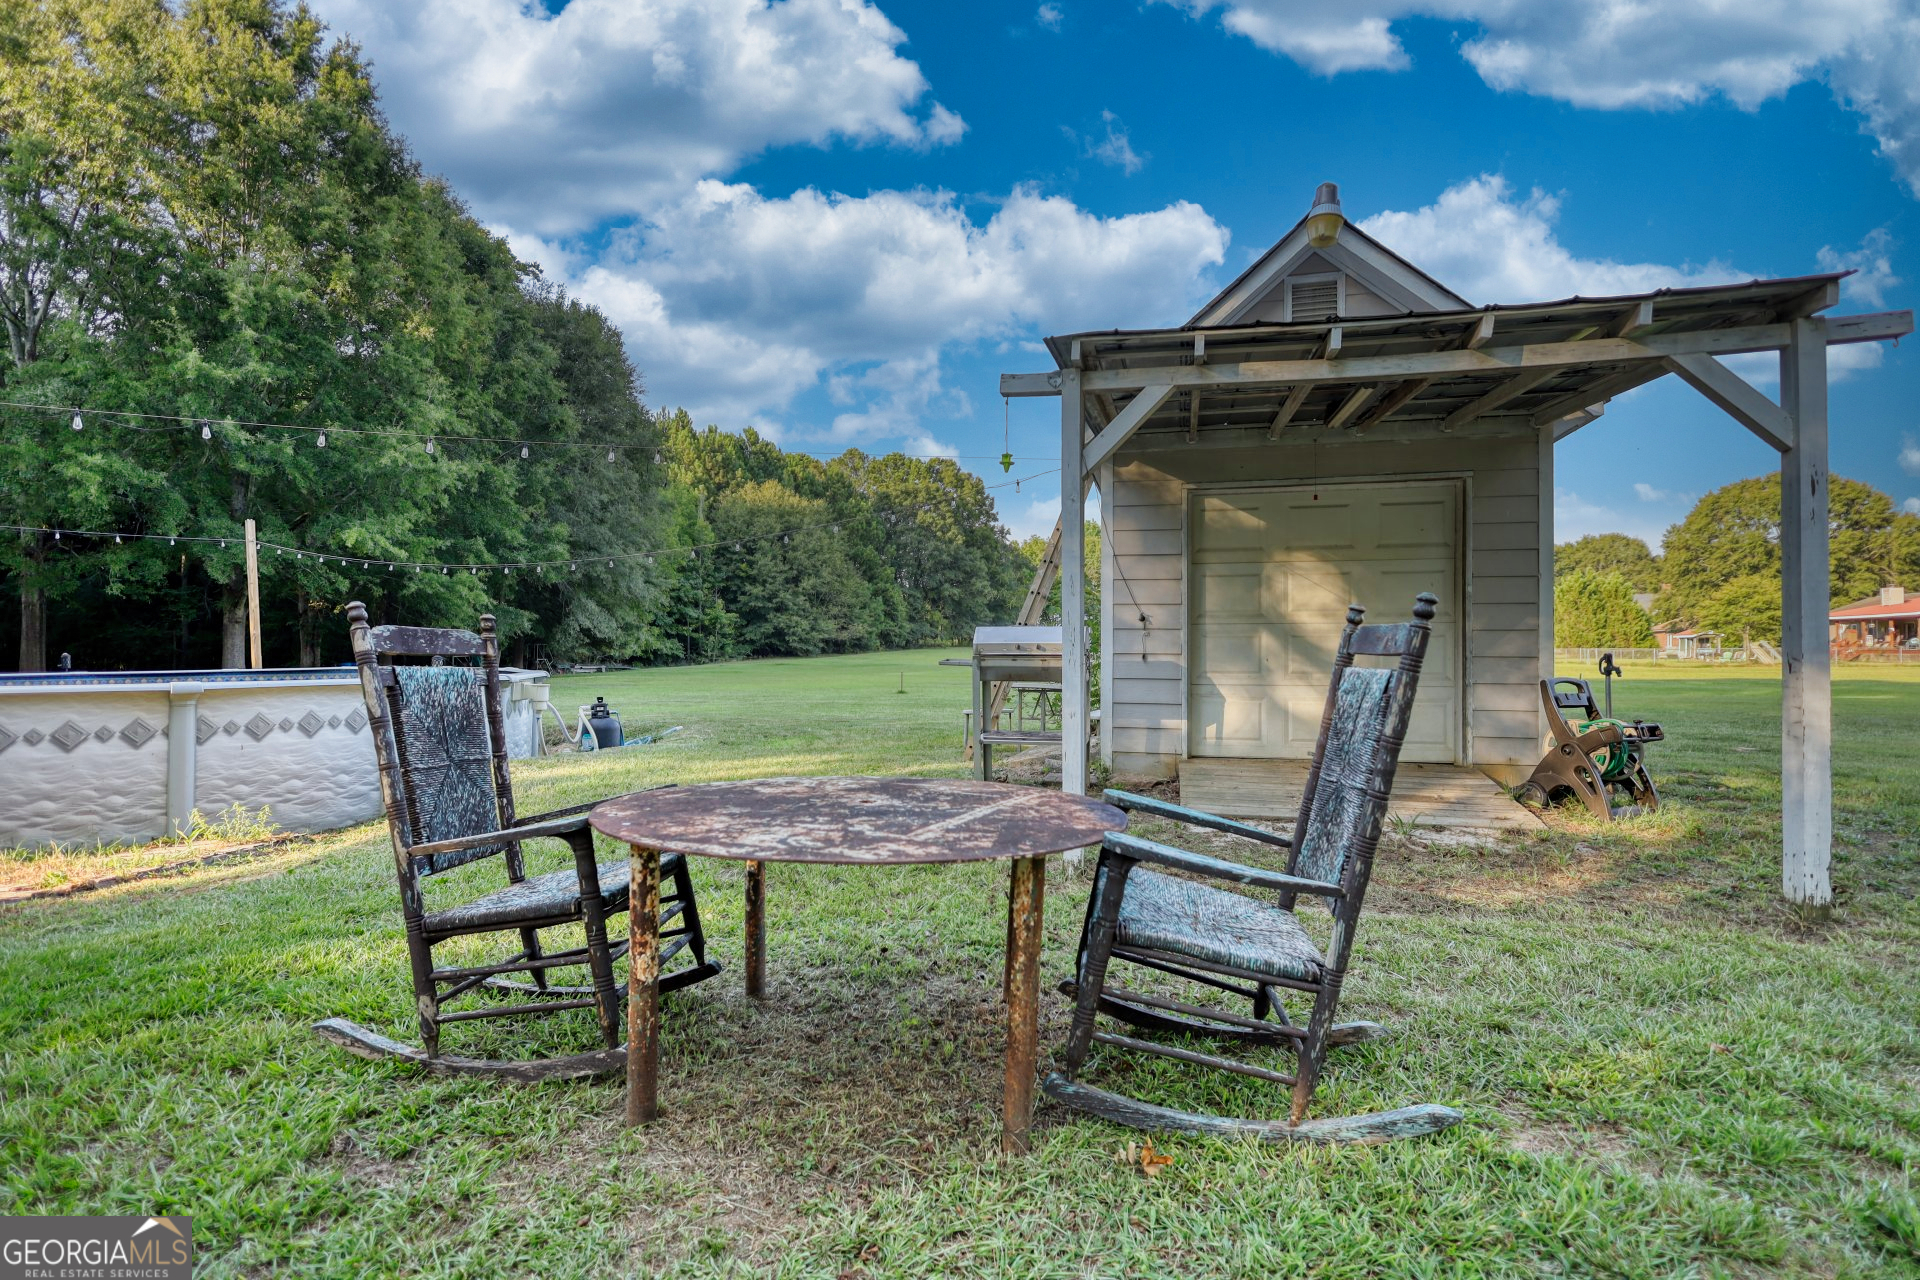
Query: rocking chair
x=1236, y=943
x=440, y=742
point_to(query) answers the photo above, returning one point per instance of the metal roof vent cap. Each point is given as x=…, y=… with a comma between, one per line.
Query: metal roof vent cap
x=1324, y=220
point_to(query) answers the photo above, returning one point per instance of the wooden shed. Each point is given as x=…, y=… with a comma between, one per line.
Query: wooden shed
x=1337, y=426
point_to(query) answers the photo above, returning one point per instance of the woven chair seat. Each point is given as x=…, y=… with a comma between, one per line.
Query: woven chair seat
x=1198, y=921
x=548, y=897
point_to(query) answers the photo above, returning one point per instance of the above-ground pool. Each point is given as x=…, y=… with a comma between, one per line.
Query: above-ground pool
x=104, y=757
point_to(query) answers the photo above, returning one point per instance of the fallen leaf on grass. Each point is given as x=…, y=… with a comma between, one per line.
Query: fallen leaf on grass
x=1144, y=1158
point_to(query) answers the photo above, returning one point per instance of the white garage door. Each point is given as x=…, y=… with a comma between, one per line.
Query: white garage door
x=1273, y=571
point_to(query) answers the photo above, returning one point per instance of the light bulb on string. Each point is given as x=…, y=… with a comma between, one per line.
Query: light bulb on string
x=206, y=429
x=523, y=451
x=116, y=538
x=77, y=423
x=320, y=441
x=429, y=444
x=609, y=455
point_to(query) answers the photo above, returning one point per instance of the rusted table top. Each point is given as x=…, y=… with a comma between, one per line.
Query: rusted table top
x=879, y=820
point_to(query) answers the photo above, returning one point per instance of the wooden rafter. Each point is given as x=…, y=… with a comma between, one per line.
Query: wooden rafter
x=1356, y=400
x=1518, y=385
x=1391, y=403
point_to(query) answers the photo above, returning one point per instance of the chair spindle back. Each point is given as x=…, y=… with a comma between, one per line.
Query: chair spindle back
x=1361, y=732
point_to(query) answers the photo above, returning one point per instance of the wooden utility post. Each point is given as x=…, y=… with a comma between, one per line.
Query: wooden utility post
x=1073, y=588
x=253, y=599
x=1806, y=773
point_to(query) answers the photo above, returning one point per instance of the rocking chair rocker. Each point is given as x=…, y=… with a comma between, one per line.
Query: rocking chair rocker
x=1236, y=943
x=441, y=746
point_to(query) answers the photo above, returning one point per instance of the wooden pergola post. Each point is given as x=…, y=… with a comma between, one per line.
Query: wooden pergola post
x=1074, y=711
x=1806, y=667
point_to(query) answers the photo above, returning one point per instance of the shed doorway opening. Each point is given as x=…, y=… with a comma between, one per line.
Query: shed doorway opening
x=1271, y=572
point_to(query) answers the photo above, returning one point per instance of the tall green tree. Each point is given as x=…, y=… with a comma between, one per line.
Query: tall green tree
x=1609, y=553
x=1734, y=533
x=1595, y=610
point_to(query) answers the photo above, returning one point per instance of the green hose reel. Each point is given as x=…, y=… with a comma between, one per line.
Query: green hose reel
x=1615, y=760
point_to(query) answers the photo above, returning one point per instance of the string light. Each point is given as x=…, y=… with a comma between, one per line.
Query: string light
x=506, y=568
x=429, y=444
x=320, y=441
x=189, y=422
x=523, y=451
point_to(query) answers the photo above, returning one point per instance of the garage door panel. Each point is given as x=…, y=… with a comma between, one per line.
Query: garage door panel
x=1223, y=525
x=1228, y=593
x=1280, y=569
x=1307, y=590
x=1302, y=527
x=1228, y=652
x=1305, y=652
x=1414, y=523
x=1229, y=725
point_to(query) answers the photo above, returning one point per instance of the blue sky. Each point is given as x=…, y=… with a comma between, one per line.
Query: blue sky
x=841, y=222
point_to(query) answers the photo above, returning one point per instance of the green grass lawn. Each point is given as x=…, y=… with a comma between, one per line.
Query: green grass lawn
x=1664, y=1071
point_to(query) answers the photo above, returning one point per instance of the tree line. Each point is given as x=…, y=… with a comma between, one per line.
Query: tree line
x=1719, y=568
x=205, y=218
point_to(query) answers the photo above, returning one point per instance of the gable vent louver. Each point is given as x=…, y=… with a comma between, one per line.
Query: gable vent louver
x=1313, y=299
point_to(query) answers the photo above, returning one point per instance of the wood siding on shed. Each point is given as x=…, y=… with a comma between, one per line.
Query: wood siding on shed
x=1144, y=505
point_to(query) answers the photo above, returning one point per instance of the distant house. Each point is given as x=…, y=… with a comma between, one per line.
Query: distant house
x=1890, y=620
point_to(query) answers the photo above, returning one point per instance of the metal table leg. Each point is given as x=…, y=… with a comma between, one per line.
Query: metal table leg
x=643, y=987
x=757, y=930
x=1024, y=907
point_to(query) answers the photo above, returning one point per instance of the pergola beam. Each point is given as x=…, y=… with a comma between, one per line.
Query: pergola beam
x=1442, y=364
x=1355, y=401
x=1288, y=407
x=1124, y=424
x=1738, y=397
x=1391, y=403
x=1594, y=393
x=1518, y=385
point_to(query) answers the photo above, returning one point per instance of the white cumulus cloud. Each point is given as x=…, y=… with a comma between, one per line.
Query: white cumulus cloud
x=733, y=302
x=1613, y=54
x=1910, y=456
x=1576, y=517
x=1489, y=244
x=1871, y=263
x=556, y=122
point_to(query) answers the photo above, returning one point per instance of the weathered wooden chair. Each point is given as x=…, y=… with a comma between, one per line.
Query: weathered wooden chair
x=440, y=742
x=1237, y=943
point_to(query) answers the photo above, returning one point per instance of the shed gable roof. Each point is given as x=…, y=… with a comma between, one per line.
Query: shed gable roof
x=1378, y=269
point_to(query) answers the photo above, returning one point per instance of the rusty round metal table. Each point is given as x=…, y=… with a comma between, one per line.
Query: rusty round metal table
x=881, y=821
